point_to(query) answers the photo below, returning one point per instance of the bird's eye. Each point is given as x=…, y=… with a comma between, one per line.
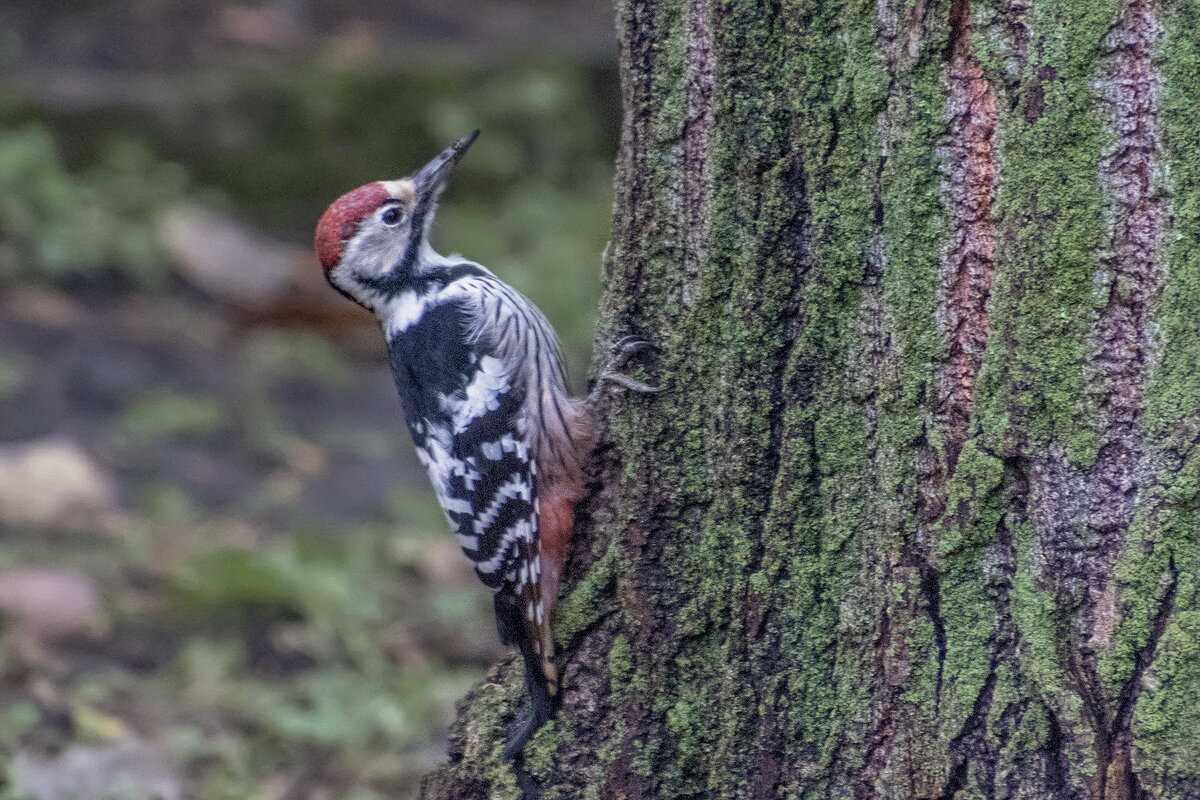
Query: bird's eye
x=391, y=216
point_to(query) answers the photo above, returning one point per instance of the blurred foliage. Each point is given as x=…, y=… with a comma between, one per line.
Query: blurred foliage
x=161, y=412
x=319, y=659
x=274, y=146
x=283, y=613
x=282, y=143
x=13, y=377
x=54, y=222
x=295, y=354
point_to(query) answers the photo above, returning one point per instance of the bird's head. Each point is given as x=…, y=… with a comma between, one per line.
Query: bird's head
x=371, y=241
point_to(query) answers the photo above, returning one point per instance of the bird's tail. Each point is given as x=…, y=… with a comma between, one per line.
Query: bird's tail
x=541, y=674
x=523, y=616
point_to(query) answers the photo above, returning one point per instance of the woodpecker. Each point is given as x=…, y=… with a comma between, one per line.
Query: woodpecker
x=481, y=382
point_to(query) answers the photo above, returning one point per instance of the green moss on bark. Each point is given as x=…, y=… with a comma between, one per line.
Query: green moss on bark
x=805, y=582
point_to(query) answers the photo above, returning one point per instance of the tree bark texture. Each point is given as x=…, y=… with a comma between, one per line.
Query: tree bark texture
x=915, y=515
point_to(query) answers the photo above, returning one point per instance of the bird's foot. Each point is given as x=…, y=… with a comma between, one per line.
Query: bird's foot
x=623, y=352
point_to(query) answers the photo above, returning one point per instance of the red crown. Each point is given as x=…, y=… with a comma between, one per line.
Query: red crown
x=341, y=220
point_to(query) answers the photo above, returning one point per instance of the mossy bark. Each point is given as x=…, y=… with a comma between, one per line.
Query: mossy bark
x=915, y=515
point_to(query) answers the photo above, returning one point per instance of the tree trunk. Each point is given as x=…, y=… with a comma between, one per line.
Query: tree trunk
x=915, y=515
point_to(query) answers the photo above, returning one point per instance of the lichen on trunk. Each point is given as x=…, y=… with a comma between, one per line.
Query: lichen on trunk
x=915, y=514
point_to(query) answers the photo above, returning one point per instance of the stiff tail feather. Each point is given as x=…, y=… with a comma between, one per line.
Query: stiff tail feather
x=541, y=675
x=524, y=620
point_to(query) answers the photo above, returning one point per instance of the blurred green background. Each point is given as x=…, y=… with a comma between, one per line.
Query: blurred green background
x=222, y=572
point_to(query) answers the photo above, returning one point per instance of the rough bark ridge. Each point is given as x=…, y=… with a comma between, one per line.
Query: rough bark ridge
x=916, y=514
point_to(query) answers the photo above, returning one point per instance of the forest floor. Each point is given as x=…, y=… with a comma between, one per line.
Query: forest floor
x=246, y=579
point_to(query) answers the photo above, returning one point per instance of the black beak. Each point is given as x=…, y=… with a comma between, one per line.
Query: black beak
x=432, y=177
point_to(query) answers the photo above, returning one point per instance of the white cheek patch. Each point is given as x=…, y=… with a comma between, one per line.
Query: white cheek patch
x=375, y=250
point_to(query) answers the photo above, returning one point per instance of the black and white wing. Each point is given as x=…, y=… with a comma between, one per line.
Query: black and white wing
x=463, y=401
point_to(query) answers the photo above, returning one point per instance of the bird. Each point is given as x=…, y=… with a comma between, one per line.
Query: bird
x=480, y=376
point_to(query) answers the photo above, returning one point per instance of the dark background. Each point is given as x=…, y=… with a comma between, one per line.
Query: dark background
x=222, y=573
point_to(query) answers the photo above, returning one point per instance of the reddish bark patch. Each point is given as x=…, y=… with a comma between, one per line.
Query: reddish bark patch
x=967, y=273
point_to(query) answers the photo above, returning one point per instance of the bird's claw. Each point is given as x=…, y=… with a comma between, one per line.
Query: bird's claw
x=630, y=346
x=629, y=383
x=623, y=351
